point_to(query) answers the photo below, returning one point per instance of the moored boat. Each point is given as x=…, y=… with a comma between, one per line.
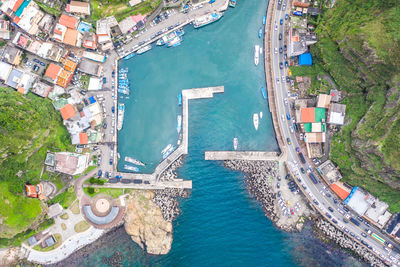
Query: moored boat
x=129, y=56
x=168, y=152
x=260, y=33
x=264, y=20
x=121, y=112
x=264, y=93
x=166, y=149
x=131, y=168
x=180, y=99
x=261, y=114
x=179, y=123
x=143, y=49
x=134, y=161
x=255, y=120
x=174, y=42
x=256, y=54
x=235, y=143
x=207, y=19
x=232, y=3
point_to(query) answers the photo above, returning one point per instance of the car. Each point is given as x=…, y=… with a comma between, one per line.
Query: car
x=111, y=162
x=286, y=16
x=41, y=63
x=302, y=170
x=283, y=80
x=335, y=200
x=328, y=215
x=345, y=221
x=99, y=173
x=105, y=125
x=113, y=109
x=36, y=60
x=125, y=181
x=279, y=194
x=330, y=209
x=106, y=174
x=346, y=209
x=288, y=117
x=277, y=80
x=328, y=195
x=83, y=92
x=360, y=219
x=25, y=60
x=352, y=234
x=288, y=141
x=340, y=211
x=316, y=202
x=364, y=234
x=280, y=50
x=280, y=36
x=281, y=21
x=284, y=47
x=278, y=185
x=291, y=129
x=280, y=66
x=95, y=148
x=112, y=180
x=279, y=178
x=285, y=56
x=285, y=100
x=276, y=26
x=284, y=7
x=276, y=50
x=301, y=136
x=287, y=176
x=287, y=79
x=104, y=80
x=137, y=181
x=286, y=64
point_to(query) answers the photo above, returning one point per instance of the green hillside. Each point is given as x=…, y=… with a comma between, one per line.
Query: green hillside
x=29, y=126
x=359, y=46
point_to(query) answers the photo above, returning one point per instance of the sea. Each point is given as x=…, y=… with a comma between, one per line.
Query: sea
x=220, y=223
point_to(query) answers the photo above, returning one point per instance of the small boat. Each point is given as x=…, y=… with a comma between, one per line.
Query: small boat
x=131, y=168
x=260, y=33
x=179, y=124
x=176, y=41
x=129, y=56
x=261, y=114
x=255, y=120
x=166, y=149
x=264, y=93
x=143, y=49
x=261, y=50
x=264, y=20
x=160, y=42
x=232, y=3
x=256, y=54
x=169, y=151
x=120, y=117
x=207, y=19
x=180, y=99
x=134, y=161
x=235, y=143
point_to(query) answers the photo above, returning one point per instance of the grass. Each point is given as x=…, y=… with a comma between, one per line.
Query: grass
x=89, y=169
x=50, y=10
x=64, y=216
x=65, y=199
x=58, y=243
x=85, y=81
x=81, y=226
x=17, y=212
x=75, y=207
x=63, y=226
x=314, y=72
x=112, y=192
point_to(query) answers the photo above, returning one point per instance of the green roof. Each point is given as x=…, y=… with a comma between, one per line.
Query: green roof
x=320, y=114
x=307, y=127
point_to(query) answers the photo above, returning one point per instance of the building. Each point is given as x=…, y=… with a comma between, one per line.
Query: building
x=5, y=70
x=329, y=172
x=20, y=81
x=61, y=76
x=89, y=40
x=305, y=59
x=68, y=112
x=52, y=72
x=48, y=242
x=336, y=95
x=27, y=16
x=337, y=113
x=299, y=40
x=11, y=55
x=35, y=191
x=127, y=25
x=77, y=7
x=65, y=31
x=95, y=84
x=68, y=21
x=323, y=101
x=341, y=190
x=41, y=88
x=90, y=67
x=94, y=56
x=71, y=163
x=4, y=29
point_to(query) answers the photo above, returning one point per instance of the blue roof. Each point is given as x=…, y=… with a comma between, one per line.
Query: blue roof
x=100, y=220
x=305, y=59
x=84, y=27
x=92, y=100
x=21, y=8
x=351, y=194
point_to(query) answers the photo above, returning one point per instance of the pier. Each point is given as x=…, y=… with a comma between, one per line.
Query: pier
x=241, y=155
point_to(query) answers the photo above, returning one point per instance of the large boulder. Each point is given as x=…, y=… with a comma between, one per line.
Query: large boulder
x=145, y=224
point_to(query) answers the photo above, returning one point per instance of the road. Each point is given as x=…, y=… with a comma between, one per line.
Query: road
x=317, y=191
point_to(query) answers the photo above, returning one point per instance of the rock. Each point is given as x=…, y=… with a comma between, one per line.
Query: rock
x=145, y=224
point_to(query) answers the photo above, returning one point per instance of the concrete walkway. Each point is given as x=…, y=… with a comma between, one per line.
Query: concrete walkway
x=241, y=155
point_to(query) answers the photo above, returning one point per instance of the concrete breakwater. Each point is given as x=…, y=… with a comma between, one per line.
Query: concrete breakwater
x=258, y=183
x=167, y=200
x=326, y=229
x=170, y=173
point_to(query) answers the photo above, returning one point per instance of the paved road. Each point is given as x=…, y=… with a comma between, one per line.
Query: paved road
x=315, y=192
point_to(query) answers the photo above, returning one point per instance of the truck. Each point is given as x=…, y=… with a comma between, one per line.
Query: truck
x=354, y=221
x=312, y=177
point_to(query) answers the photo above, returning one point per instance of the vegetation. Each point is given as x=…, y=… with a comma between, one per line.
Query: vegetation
x=85, y=78
x=75, y=207
x=58, y=243
x=318, y=83
x=64, y=216
x=20, y=237
x=2, y=43
x=120, y=9
x=113, y=192
x=65, y=199
x=50, y=10
x=359, y=46
x=81, y=226
x=97, y=181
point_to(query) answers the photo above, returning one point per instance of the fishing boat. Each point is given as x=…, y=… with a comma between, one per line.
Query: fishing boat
x=180, y=99
x=121, y=112
x=176, y=41
x=207, y=19
x=232, y=3
x=134, y=161
x=168, y=152
x=131, y=168
x=143, y=49
x=179, y=123
x=264, y=93
x=129, y=56
x=235, y=143
x=261, y=114
x=264, y=20
x=255, y=121
x=160, y=41
x=256, y=54
x=260, y=33
x=261, y=50
x=166, y=149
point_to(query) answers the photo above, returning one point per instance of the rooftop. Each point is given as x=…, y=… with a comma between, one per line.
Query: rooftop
x=68, y=21
x=52, y=71
x=323, y=101
x=67, y=112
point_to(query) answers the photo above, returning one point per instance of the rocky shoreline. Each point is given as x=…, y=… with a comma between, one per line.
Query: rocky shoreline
x=325, y=230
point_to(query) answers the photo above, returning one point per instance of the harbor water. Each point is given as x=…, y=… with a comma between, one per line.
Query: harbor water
x=220, y=224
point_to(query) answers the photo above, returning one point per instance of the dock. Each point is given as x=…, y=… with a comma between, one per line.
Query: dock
x=241, y=155
x=178, y=183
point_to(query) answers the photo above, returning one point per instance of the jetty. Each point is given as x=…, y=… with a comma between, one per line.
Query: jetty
x=241, y=155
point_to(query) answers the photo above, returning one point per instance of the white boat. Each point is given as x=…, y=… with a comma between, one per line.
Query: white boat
x=256, y=54
x=131, y=168
x=121, y=112
x=207, y=19
x=255, y=120
x=166, y=149
x=134, y=161
x=261, y=114
x=169, y=151
x=261, y=50
x=235, y=143
x=143, y=49
x=179, y=124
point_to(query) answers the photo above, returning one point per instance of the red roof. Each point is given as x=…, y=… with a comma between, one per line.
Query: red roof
x=68, y=21
x=52, y=71
x=342, y=193
x=307, y=115
x=67, y=111
x=83, y=138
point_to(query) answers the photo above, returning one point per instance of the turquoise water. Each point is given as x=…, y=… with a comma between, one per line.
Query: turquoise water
x=220, y=224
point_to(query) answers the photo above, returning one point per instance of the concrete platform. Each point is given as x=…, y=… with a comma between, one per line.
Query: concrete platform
x=241, y=155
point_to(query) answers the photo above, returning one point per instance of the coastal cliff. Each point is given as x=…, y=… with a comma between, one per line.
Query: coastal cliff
x=145, y=223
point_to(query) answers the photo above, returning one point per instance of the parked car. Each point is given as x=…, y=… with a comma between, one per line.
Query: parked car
x=280, y=66
x=41, y=63
x=281, y=21
x=288, y=141
x=286, y=16
x=36, y=60
x=278, y=185
x=280, y=50
x=83, y=92
x=111, y=161
x=280, y=36
x=99, y=173
x=105, y=125
x=113, y=109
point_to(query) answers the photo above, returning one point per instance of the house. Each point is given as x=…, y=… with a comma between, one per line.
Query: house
x=68, y=21
x=329, y=172
x=82, y=8
x=65, y=31
x=48, y=242
x=312, y=115
x=52, y=72
x=127, y=24
x=34, y=191
x=41, y=89
x=28, y=16
x=90, y=67
x=46, y=23
x=5, y=70
x=323, y=101
x=61, y=76
x=89, y=40
x=11, y=55
x=337, y=113
x=98, y=57
x=95, y=84
x=71, y=163
x=68, y=112
x=4, y=29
